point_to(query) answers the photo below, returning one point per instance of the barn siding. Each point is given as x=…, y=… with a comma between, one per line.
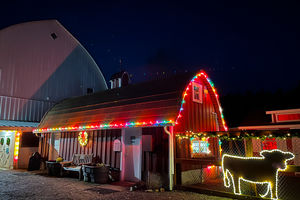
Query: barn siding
x=20, y=109
x=44, y=145
x=158, y=159
x=199, y=117
x=100, y=144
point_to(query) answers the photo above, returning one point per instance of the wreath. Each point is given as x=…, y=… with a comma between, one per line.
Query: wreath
x=83, y=138
x=2, y=141
x=8, y=141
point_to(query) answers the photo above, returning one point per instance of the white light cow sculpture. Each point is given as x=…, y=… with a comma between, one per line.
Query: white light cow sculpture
x=258, y=170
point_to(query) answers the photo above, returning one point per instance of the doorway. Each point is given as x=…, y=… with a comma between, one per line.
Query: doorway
x=131, y=154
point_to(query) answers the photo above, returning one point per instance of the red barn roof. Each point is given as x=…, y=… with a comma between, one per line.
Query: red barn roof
x=155, y=103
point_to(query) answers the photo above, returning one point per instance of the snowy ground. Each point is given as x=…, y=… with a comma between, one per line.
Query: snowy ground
x=25, y=185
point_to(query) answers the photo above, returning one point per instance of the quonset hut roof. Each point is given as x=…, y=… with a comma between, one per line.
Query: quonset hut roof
x=155, y=103
x=42, y=63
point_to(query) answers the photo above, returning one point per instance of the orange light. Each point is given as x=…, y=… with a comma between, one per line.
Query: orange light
x=17, y=143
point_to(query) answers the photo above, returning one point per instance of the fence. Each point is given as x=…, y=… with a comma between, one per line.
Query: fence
x=199, y=165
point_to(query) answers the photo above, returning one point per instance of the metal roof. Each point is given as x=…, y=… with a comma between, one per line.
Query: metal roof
x=155, y=100
x=8, y=123
x=38, y=70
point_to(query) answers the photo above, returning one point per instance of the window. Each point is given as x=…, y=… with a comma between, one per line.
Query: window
x=199, y=147
x=54, y=36
x=197, y=92
x=89, y=90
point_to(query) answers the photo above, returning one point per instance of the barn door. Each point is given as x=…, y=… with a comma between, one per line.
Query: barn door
x=6, y=149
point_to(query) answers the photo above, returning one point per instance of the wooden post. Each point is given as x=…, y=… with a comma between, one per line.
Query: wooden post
x=175, y=156
x=249, y=147
x=249, y=153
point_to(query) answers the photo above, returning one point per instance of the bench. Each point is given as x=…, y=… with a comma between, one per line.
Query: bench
x=76, y=164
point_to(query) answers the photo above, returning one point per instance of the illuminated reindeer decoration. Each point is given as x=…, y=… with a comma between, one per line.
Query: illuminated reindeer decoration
x=258, y=170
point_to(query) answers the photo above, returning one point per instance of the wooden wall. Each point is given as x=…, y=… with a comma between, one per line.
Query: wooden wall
x=184, y=158
x=156, y=160
x=100, y=144
x=44, y=145
x=200, y=117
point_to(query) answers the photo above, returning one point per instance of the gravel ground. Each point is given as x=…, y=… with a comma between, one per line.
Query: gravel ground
x=26, y=185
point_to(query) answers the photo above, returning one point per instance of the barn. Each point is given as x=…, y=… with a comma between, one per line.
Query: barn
x=147, y=120
x=41, y=63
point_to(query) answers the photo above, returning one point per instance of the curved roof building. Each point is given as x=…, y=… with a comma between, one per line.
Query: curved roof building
x=41, y=63
x=148, y=104
x=138, y=128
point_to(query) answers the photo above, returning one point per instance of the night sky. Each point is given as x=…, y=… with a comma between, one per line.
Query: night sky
x=242, y=46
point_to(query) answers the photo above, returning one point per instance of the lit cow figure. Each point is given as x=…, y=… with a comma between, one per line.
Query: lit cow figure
x=259, y=170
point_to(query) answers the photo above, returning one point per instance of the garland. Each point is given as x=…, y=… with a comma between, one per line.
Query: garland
x=2, y=141
x=8, y=141
x=241, y=135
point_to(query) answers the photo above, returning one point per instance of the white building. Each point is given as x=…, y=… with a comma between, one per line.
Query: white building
x=41, y=63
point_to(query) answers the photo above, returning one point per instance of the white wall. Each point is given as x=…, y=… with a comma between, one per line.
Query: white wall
x=131, y=162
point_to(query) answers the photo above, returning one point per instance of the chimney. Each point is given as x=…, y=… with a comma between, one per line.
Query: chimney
x=119, y=79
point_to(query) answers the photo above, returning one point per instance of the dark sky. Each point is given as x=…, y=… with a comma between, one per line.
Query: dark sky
x=242, y=45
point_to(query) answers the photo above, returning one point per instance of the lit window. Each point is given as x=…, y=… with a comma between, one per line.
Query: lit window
x=199, y=147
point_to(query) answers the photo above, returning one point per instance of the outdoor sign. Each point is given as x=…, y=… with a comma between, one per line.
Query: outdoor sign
x=269, y=144
x=117, y=145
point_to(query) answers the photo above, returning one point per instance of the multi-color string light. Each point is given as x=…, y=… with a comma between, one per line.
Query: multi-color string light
x=17, y=144
x=106, y=126
x=140, y=123
x=185, y=93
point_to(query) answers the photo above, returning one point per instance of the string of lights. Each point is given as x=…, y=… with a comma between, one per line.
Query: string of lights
x=106, y=126
x=185, y=93
x=270, y=183
x=142, y=123
x=262, y=135
x=17, y=144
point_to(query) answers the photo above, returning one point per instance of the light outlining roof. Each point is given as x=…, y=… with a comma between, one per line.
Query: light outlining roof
x=141, y=123
x=107, y=126
x=202, y=74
